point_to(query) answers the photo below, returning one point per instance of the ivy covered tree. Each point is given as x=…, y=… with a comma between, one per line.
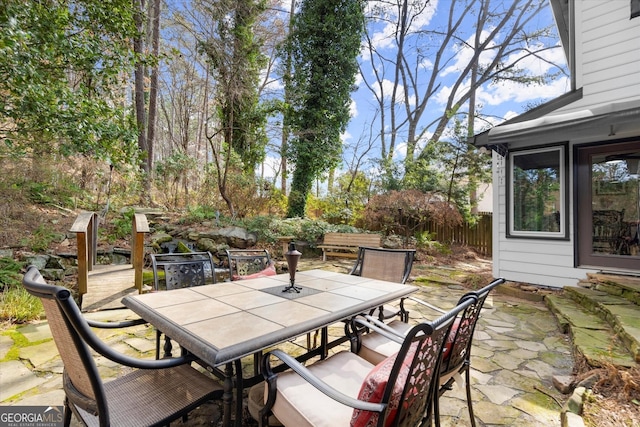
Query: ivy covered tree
x=63, y=68
x=323, y=48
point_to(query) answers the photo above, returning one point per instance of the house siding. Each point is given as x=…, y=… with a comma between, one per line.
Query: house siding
x=607, y=69
x=535, y=261
x=607, y=54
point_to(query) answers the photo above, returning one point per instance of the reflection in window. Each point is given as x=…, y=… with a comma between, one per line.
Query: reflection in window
x=615, y=199
x=537, y=193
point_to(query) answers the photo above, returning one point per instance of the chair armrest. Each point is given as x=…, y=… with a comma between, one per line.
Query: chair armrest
x=379, y=327
x=134, y=362
x=307, y=375
x=426, y=304
x=83, y=327
x=115, y=325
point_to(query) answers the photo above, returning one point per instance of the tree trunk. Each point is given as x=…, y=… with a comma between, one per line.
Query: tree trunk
x=139, y=84
x=285, y=124
x=153, y=90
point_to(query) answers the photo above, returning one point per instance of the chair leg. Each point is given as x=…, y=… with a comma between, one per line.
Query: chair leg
x=436, y=407
x=158, y=333
x=427, y=420
x=66, y=413
x=467, y=378
x=310, y=345
x=167, y=348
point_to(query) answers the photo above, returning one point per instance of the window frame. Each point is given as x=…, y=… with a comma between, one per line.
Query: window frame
x=563, y=205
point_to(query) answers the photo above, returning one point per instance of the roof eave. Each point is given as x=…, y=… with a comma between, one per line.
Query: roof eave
x=482, y=139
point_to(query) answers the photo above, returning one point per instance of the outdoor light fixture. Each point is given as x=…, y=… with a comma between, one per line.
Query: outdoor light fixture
x=292, y=256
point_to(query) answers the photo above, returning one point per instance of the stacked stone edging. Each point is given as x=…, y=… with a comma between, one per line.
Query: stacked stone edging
x=616, y=300
x=600, y=311
x=627, y=287
x=593, y=339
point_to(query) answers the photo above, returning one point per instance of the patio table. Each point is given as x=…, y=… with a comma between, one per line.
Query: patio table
x=224, y=322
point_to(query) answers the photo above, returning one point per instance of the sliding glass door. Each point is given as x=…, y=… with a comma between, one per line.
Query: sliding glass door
x=608, y=205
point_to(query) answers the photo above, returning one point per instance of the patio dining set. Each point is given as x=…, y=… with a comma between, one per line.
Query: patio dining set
x=382, y=371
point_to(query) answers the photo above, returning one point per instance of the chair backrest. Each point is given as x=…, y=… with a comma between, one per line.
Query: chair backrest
x=465, y=326
x=183, y=270
x=393, y=265
x=244, y=262
x=416, y=367
x=82, y=383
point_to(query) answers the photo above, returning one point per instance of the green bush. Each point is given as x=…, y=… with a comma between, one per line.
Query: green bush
x=62, y=193
x=425, y=240
x=201, y=213
x=269, y=228
x=40, y=239
x=9, y=273
x=120, y=227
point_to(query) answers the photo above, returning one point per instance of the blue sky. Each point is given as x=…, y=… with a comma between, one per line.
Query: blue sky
x=499, y=102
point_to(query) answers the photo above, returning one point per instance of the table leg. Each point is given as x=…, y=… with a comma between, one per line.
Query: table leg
x=227, y=395
x=239, y=388
x=168, y=348
x=324, y=340
x=257, y=357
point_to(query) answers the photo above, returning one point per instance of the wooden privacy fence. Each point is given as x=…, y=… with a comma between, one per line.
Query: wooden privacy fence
x=477, y=236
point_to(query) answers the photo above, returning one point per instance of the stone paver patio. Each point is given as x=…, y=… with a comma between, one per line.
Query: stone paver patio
x=518, y=348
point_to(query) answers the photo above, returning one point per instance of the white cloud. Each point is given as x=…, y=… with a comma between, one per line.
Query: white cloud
x=464, y=54
x=353, y=108
x=387, y=89
x=507, y=91
x=426, y=64
x=400, y=152
x=345, y=137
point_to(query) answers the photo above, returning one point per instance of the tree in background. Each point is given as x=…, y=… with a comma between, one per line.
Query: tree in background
x=63, y=68
x=480, y=42
x=322, y=47
x=235, y=58
x=146, y=69
x=458, y=173
x=185, y=86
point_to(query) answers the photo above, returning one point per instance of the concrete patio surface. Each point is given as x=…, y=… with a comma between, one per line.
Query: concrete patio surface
x=518, y=348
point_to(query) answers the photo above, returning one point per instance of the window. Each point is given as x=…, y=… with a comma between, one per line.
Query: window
x=537, y=193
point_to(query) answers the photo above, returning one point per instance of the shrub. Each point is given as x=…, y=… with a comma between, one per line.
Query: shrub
x=393, y=211
x=40, y=239
x=269, y=228
x=9, y=273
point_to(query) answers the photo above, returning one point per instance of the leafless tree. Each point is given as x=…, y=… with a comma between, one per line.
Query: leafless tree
x=410, y=57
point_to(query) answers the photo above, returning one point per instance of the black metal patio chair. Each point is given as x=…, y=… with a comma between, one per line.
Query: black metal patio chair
x=156, y=393
x=374, y=344
x=392, y=265
x=345, y=389
x=248, y=263
x=176, y=271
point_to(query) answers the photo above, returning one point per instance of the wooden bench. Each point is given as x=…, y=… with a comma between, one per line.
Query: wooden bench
x=347, y=244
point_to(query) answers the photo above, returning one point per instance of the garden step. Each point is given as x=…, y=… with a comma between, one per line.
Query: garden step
x=593, y=338
x=627, y=287
x=620, y=313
